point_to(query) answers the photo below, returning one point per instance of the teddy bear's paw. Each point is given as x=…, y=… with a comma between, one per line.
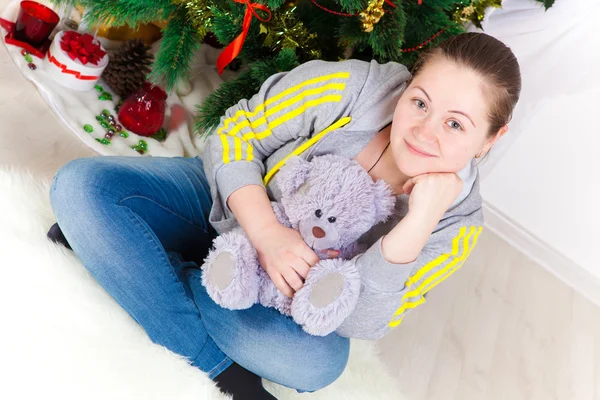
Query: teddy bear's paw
x=328, y=296
x=230, y=274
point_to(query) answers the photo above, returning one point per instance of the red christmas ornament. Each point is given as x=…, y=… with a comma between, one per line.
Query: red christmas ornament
x=34, y=23
x=82, y=47
x=144, y=111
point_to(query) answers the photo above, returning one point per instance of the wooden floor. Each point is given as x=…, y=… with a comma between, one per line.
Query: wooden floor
x=501, y=328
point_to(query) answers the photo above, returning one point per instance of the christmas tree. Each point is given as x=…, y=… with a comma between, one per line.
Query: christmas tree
x=269, y=36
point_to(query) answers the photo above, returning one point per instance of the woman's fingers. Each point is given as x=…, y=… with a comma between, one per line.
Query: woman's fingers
x=309, y=255
x=408, y=186
x=301, y=267
x=332, y=253
x=280, y=283
x=292, y=279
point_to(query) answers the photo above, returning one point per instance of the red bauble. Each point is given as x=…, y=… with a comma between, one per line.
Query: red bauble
x=144, y=111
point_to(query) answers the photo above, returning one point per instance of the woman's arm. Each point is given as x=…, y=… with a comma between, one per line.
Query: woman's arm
x=430, y=197
x=399, y=269
x=281, y=250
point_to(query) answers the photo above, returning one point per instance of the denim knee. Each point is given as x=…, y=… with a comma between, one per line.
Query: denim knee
x=78, y=183
x=334, y=358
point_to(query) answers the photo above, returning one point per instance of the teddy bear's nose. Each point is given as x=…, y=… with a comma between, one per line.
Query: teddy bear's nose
x=318, y=232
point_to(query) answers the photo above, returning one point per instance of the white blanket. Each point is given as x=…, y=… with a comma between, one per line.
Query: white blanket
x=63, y=336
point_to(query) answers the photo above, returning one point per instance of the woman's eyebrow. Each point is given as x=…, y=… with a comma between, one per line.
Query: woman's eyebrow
x=423, y=90
x=465, y=114
x=452, y=111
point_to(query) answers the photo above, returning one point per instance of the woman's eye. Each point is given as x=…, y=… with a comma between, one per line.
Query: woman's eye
x=420, y=104
x=454, y=125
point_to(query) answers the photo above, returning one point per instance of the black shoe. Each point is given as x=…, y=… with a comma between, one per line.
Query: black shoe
x=56, y=236
x=242, y=384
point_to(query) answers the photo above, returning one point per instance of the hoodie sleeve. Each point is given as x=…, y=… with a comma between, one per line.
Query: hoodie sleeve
x=390, y=291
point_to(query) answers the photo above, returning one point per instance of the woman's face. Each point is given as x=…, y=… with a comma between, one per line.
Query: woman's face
x=440, y=121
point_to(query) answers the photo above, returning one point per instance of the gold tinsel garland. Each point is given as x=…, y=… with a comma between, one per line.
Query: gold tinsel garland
x=285, y=31
x=199, y=13
x=475, y=11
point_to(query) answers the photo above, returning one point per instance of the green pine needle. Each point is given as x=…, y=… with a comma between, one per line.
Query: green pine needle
x=130, y=12
x=179, y=42
x=547, y=3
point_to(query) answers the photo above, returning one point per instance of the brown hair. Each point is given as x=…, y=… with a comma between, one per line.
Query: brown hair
x=493, y=60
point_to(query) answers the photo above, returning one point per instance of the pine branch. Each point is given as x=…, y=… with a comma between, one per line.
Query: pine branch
x=180, y=40
x=130, y=12
x=209, y=113
x=67, y=2
x=547, y=3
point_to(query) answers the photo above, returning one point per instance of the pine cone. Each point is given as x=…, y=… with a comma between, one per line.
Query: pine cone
x=128, y=67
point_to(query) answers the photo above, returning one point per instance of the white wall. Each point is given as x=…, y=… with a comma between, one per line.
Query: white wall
x=545, y=188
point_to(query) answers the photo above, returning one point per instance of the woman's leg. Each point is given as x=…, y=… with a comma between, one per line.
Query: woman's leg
x=270, y=344
x=125, y=218
x=119, y=215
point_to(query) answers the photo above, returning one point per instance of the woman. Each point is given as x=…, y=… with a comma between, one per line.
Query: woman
x=142, y=226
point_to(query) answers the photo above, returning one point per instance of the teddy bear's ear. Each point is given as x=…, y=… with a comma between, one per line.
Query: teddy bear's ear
x=385, y=201
x=293, y=175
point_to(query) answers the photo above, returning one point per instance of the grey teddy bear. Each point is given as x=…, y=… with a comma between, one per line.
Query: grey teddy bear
x=332, y=201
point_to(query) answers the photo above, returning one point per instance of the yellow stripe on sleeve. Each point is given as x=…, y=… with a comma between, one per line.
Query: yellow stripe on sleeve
x=261, y=107
x=225, y=149
x=440, y=260
x=301, y=149
x=440, y=275
x=450, y=272
x=258, y=122
x=333, y=98
x=237, y=145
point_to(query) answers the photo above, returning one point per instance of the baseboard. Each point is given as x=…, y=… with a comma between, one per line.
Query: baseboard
x=542, y=253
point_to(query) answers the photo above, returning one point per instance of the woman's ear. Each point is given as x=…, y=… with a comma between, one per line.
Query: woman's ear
x=492, y=140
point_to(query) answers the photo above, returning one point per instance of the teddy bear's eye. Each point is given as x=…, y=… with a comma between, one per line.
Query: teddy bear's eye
x=331, y=219
x=319, y=213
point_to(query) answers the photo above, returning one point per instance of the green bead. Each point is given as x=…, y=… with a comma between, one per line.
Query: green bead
x=28, y=58
x=124, y=134
x=99, y=88
x=105, y=96
x=99, y=118
x=105, y=141
x=143, y=145
x=88, y=128
x=161, y=135
x=106, y=113
x=104, y=125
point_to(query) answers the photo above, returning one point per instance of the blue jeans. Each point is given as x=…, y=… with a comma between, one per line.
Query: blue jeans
x=140, y=226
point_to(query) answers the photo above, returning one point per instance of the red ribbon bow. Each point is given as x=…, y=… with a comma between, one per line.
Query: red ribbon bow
x=232, y=50
x=82, y=47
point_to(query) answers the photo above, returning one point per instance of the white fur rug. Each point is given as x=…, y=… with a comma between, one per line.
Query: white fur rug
x=62, y=335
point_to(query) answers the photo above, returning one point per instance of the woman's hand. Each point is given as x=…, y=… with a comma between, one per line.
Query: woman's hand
x=430, y=197
x=432, y=194
x=285, y=257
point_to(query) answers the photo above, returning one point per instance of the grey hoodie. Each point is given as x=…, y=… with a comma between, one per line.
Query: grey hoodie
x=321, y=108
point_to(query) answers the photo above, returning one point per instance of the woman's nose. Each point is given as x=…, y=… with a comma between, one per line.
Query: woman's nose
x=426, y=132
